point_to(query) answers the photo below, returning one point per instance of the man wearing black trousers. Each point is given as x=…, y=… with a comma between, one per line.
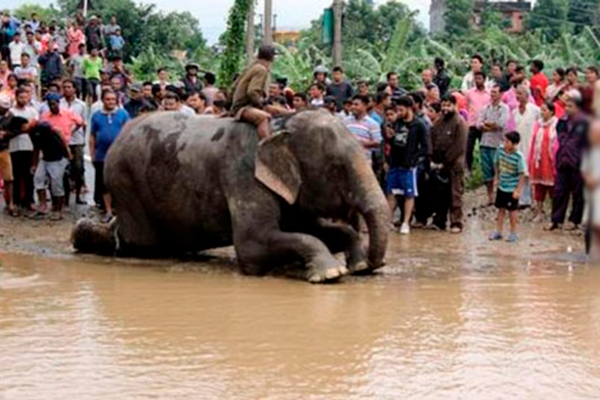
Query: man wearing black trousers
x=572, y=132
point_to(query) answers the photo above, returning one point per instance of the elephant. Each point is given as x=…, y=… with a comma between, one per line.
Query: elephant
x=184, y=184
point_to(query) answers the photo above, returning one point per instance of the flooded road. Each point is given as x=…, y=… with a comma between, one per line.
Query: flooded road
x=468, y=320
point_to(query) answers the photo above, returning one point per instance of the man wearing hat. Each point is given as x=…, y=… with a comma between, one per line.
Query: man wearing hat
x=136, y=101
x=250, y=92
x=191, y=81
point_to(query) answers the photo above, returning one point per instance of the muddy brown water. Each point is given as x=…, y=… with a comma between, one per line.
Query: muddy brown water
x=446, y=319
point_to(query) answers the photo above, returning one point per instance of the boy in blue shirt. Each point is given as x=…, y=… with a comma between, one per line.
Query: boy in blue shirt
x=510, y=175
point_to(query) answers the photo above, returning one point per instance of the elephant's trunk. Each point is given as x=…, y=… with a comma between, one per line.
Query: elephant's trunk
x=92, y=237
x=371, y=203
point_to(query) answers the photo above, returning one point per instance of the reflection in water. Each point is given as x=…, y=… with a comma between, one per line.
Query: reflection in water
x=483, y=329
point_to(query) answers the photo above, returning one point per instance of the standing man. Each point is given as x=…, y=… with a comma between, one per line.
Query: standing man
x=591, y=92
x=76, y=70
x=449, y=140
x=469, y=79
x=499, y=78
x=92, y=65
x=442, y=79
x=363, y=127
x=55, y=157
x=33, y=48
x=209, y=90
x=5, y=161
x=393, y=82
x=197, y=102
x=538, y=84
x=571, y=132
x=52, y=65
x=191, y=81
x=93, y=35
x=339, y=88
x=16, y=48
x=136, y=101
x=409, y=144
x=78, y=108
x=26, y=70
x=382, y=102
x=21, y=149
x=477, y=99
x=525, y=116
x=106, y=125
x=250, y=92
x=492, y=122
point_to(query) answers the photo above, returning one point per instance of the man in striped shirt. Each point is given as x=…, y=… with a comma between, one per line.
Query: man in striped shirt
x=363, y=127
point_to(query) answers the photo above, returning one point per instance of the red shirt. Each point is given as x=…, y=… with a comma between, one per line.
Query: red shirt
x=538, y=84
x=64, y=122
x=559, y=109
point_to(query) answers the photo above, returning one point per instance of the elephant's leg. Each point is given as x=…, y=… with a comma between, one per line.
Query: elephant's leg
x=137, y=236
x=260, y=243
x=340, y=237
x=274, y=247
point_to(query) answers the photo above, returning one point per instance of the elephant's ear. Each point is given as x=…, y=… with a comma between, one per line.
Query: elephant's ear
x=277, y=167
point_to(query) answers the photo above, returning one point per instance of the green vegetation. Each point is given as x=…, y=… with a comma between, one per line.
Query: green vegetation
x=376, y=39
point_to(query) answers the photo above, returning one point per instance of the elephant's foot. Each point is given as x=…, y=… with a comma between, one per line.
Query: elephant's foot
x=320, y=273
x=357, y=261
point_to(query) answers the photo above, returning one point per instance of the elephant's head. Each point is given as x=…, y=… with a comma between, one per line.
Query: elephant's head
x=315, y=163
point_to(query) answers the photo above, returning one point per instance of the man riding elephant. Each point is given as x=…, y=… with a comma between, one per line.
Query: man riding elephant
x=250, y=92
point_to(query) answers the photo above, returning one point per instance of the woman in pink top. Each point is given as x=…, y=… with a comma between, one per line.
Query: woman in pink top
x=76, y=37
x=541, y=157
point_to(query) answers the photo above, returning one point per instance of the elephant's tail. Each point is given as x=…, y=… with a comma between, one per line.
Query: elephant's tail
x=89, y=236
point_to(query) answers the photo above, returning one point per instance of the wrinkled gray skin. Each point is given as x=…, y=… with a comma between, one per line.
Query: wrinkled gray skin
x=185, y=184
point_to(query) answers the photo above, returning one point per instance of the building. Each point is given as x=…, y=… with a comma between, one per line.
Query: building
x=512, y=10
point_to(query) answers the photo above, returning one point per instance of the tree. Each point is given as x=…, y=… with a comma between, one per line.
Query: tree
x=44, y=13
x=550, y=17
x=458, y=17
x=583, y=13
x=233, y=55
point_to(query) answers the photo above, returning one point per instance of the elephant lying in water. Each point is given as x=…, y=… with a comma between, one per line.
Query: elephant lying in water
x=185, y=184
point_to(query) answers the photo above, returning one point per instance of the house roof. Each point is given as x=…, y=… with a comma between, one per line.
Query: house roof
x=504, y=6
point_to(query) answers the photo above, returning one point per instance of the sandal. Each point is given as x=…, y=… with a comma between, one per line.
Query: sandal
x=56, y=217
x=38, y=215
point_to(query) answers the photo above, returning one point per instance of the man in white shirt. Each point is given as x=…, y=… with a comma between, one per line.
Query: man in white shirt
x=26, y=70
x=525, y=116
x=21, y=150
x=16, y=48
x=33, y=48
x=77, y=142
x=469, y=79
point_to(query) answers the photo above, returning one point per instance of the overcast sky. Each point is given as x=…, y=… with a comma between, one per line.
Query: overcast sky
x=291, y=14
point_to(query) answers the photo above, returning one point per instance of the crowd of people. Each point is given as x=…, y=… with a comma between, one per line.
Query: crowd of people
x=62, y=88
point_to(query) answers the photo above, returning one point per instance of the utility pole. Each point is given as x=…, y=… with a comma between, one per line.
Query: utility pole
x=268, y=37
x=250, y=34
x=337, y=32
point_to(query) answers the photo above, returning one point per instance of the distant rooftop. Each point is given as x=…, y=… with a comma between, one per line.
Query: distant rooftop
x=504, y=6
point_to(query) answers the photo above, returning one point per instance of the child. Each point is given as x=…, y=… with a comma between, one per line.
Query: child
x=590, y=168
x=116, y=42
x=510, y=175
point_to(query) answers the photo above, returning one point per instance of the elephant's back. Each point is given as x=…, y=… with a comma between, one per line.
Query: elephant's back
x=172, y=163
